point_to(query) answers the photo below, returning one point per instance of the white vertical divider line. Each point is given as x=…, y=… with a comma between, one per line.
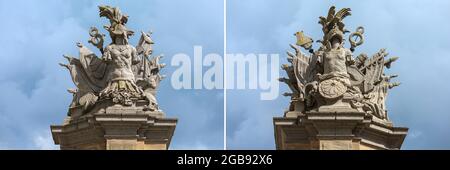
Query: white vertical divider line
x=225, y=74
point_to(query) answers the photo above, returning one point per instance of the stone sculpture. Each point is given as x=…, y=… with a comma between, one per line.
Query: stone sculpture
x=124, y=75
x=331, y=79
x=114, y=104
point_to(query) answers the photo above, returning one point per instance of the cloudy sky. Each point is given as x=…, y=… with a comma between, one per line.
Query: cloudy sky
x=35, y=34
x=415, y=31
x=33, y=86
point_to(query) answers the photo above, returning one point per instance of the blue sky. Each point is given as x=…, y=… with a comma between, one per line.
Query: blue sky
x=35, y=34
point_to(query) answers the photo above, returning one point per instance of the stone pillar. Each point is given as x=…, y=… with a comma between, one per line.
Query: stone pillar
x=336, y=131
x=115, y=132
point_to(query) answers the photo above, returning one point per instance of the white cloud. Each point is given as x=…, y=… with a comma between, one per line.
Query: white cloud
x=44, y=141
x=415, y=134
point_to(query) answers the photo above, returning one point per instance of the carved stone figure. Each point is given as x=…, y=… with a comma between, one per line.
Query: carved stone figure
x=331, y=79
x=338, y=99
x=124, y=75
x=114, y=104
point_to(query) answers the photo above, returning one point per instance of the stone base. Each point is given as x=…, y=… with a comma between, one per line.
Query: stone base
x=115, y=132
x=336, y=131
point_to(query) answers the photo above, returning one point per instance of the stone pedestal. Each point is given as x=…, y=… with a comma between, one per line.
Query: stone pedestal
x=129, y=131
x=336, y=131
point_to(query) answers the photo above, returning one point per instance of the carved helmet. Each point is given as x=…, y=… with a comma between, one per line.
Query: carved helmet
x=117, y=20
x=332, y=25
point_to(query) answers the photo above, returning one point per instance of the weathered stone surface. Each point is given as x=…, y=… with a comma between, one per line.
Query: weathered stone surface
x=114, y=105
x=331, y=78
x=343, y=131
x=115, y=132
x=337, y=100
x=123, y=75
